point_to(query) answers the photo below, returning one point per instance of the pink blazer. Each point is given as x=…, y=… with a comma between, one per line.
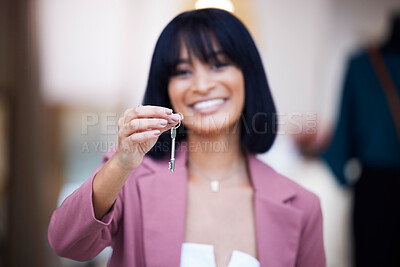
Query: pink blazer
x=146, y=224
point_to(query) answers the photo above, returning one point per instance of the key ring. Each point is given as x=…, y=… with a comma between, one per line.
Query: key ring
x=179, y=124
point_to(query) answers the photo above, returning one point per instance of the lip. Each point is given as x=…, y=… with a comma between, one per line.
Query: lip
x=209, y=110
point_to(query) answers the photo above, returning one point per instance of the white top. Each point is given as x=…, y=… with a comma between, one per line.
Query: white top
x=202, y=255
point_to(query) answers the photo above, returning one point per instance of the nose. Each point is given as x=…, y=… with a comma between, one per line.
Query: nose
x=202, y=80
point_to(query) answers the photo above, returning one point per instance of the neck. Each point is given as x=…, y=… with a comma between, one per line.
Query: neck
x=215, y=154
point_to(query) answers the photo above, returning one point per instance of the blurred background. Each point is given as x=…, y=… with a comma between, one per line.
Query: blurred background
x=69, y=68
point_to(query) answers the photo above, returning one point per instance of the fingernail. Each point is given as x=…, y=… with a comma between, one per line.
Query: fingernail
x=168, y=111
x=163, y=122
x=175, y=117
x=156, y=132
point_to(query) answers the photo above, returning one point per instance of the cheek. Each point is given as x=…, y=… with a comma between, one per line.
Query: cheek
x=171, y=93
x=239, y=92
x=239, y=102
x=175, y=94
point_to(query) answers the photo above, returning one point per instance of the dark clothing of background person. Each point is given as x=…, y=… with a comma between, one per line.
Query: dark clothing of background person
x=366, y=131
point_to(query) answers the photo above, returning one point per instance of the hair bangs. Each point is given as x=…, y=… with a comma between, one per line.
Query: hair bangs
x=199, y=41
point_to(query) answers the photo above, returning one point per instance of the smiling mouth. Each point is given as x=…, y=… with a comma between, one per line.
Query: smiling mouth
x=209, y=106
x=208, y=103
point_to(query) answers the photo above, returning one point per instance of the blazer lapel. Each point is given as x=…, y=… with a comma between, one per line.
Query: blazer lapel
x=163, y=203
x=278, y=225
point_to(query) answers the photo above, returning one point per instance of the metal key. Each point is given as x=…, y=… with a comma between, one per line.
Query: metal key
x=172, y=162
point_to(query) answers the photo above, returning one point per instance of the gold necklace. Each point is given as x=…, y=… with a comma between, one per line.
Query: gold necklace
x=214, y=183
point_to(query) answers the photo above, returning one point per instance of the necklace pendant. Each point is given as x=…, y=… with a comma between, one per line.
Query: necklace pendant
x=214, y=186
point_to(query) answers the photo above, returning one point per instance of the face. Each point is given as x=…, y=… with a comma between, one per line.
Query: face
x=209, y=95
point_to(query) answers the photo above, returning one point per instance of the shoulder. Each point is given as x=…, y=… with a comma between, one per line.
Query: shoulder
x=359, y=56
x=359, y=62
x=273, y=185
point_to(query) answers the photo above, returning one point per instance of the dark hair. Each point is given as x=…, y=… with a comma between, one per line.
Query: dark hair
x=197, y=30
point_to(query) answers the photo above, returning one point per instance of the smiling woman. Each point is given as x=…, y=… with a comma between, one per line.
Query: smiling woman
x=221, y=207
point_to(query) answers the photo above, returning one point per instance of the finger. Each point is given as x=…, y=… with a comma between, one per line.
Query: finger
x=174, y=119
x=144, y=136
x=141, y=125
x=147, y=112
x=120, y=123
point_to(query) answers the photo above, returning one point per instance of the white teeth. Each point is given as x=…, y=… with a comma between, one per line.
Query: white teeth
x=208, y=103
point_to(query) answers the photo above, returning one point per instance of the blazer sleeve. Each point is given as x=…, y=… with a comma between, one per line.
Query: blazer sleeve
x=311, y=250
x=74, y=232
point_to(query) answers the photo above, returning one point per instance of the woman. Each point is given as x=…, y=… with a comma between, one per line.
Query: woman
x=221, y=206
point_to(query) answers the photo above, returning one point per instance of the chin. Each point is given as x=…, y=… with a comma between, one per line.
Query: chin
x=212, y=126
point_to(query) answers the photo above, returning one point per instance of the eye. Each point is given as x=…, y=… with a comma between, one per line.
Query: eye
x=181, y=71
x=218, y=65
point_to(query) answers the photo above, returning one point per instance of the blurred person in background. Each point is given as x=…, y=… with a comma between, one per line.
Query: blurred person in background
x=221, y=207
x=368, y=129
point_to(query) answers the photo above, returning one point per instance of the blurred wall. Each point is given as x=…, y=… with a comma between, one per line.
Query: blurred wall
x=4, y=83
x=97, y=53
x=305, y=46
x=30, y=147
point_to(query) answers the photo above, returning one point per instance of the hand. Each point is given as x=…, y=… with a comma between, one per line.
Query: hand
x=311, y=145
x=307, y=145
x=138, y=131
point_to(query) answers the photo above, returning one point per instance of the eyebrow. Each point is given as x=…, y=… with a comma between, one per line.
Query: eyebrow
x=211, y=55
